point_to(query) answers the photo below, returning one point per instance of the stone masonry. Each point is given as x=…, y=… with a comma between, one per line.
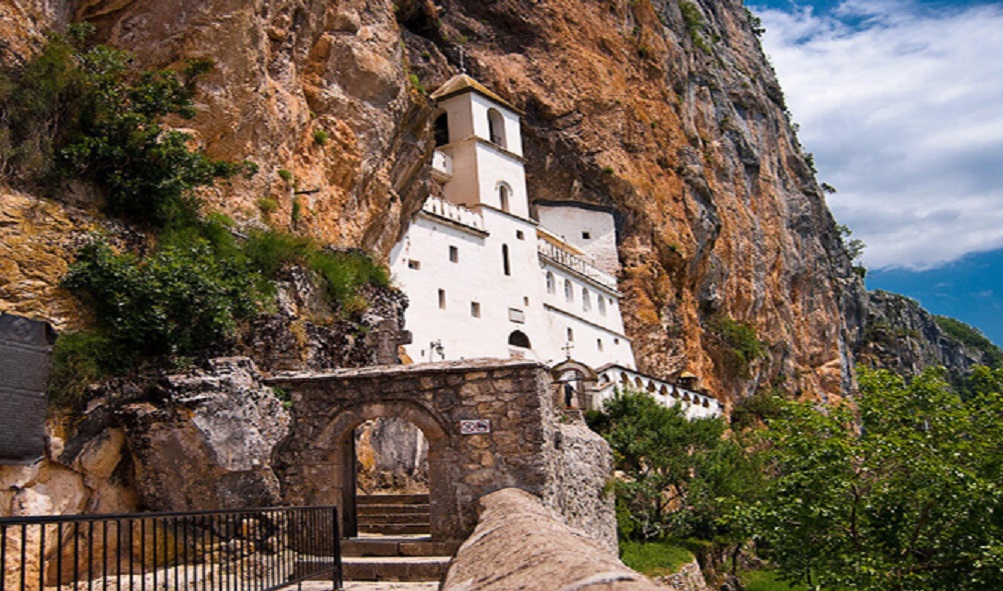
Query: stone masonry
x=530, y=445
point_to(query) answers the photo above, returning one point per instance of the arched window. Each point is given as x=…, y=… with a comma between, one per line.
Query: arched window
x=505, y=265
x=586, y=302
x=569, y=292
x=550, y=282
x=441, y=130
x=602, y=305
x=504, y=191
x=496, y=128
x=519, y=339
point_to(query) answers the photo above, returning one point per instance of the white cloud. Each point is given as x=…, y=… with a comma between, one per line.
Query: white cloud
x=903, y=108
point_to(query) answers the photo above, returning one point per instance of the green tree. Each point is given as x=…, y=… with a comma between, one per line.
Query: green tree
x=904, y=494
x=679, y=477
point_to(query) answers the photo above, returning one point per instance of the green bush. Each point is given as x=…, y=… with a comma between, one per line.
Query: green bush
x=285, y=175
x=78, y=360
x=320, y=137
x=82, y=111
x=267, y=205
x=184, y=298
x=741, y=345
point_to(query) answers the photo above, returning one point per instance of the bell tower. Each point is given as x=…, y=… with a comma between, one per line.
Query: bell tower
x=478, y=132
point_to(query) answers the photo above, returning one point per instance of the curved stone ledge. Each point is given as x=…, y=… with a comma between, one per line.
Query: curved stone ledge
x=521, y=544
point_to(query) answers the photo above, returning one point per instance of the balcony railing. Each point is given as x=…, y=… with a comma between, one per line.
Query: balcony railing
x=442, y=165
x=561, y=257
x=456, y=213
x=236, y=550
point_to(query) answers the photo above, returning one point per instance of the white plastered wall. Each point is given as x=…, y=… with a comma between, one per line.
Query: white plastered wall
x=571, y=222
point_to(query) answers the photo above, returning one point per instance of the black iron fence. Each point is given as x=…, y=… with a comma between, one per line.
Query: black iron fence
x=238, y=550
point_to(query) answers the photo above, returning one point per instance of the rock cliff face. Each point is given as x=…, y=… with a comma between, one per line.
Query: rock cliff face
x=667, y=111
x=901, y=336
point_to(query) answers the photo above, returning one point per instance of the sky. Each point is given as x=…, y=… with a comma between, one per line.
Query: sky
x=901, y=103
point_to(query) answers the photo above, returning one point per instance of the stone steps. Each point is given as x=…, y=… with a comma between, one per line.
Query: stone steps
x=393, y=514
x=389, y=546
x=395, y=568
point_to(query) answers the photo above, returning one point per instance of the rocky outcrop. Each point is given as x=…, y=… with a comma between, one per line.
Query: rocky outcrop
x=197, y=441
x=687, y=578
x=206, y=441
x=901, y=336
x=521, y=544
x=666, y=111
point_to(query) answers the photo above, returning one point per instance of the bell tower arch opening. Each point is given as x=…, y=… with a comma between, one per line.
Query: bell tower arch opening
x=441, y=130
x=496, y=128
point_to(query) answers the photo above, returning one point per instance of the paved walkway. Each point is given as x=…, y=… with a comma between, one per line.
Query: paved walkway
x=368, y=586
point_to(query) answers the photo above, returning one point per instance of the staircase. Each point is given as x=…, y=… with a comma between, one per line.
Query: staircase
x=394, y=542
x=392, y=515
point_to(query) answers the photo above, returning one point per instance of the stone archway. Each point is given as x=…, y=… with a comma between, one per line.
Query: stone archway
x=341, y=433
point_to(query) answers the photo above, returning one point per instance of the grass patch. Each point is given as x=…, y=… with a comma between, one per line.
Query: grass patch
x=654, y=559
x=767, y=580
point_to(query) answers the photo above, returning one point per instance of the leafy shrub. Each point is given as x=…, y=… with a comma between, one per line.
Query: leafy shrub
x=185, y=297
x=79, y=110
x=78, y=360
x=741, y=345
x=285, y=175
x=320, y=137
x=267, y=205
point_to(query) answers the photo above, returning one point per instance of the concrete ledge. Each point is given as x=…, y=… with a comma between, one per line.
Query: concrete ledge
x=521, y=544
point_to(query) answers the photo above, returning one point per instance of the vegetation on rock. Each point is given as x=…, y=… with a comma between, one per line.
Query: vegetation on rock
x=972, y=337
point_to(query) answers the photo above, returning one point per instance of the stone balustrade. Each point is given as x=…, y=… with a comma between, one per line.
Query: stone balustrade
x=455, y=213
x=442, y=165
x=573, y=262
x=615, y=377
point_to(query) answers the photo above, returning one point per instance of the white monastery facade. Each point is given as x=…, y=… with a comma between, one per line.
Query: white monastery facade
x=485, y=279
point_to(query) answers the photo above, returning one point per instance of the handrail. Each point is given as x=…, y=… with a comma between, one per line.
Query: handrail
x=261, y=549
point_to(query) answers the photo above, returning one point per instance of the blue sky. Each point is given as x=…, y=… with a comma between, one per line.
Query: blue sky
x=901, y=102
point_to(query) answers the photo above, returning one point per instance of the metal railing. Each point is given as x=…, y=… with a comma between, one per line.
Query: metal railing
x=236, y=550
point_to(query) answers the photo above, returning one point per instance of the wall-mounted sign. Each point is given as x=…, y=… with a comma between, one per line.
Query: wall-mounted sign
x=25, y=349
x=475, y=427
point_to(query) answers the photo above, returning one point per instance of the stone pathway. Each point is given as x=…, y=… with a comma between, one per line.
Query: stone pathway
x=372, y=586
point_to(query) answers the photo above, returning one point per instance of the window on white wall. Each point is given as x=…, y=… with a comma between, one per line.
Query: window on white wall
x=505, y=264
x=413, y=264
x=586, y=301
x=496, y=127
x=454, y=254
x=599, y=344
x=602, y=305
x=442, y=299
x=569, y=291
x=550, y=282
x=475, y=309
x=571, y=335
x=504, y=194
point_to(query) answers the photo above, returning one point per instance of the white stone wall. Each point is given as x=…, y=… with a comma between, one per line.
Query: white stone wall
x=587, y=229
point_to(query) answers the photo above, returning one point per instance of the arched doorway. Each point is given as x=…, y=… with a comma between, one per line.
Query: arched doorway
x=391, y=478
x=343, y=433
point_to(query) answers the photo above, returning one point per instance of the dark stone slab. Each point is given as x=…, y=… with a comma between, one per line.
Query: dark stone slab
x=25, y=356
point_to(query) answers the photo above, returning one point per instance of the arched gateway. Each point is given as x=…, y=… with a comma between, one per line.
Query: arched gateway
x=490, y=424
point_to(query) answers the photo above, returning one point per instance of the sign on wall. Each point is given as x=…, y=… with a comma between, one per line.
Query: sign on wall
x=475, y=427
x=25, y=349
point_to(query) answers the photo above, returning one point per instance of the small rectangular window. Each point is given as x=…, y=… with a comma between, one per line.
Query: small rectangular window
x=525, y=300
x=599, y=344
x=442, y=299
x=586, y=235
x=413, y=264
x=454, y=254
x=520, y=235
x=571, y=335
x=475, y=309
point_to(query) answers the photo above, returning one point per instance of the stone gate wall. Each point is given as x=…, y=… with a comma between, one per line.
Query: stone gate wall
x=530, y=446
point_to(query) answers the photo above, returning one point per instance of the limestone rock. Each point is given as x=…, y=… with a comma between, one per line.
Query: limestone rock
x=207, y=444
x=901, y=336
x=521, y=544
